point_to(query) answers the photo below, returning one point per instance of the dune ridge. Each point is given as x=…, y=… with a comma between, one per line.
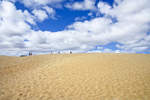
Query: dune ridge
x=75, y=77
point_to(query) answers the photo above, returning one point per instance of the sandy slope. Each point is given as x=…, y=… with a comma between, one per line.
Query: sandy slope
x=8, y=60
x=75, y=77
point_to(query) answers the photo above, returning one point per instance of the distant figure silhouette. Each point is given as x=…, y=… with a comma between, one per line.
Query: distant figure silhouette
x=30, y=53
x=70, y=52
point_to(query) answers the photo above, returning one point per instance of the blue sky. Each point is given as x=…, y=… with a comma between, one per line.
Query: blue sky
x=82, y=26
x=64, y=16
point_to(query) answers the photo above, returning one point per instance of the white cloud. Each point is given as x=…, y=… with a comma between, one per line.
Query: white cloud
x=13, y=27
x=80, y=18
x=129, y=31
x=44, y=13
x=94, y=51
x=12, y=20
x=29, y=18
x=84, y=5
x=63, y=40
x=90, y=14
x=40, y=14
x=132, y=25
x=51, y=12
x=105, y=51
x=104, y=7
x=36, y=3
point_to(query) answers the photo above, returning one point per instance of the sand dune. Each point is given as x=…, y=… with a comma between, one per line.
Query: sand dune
x=75, y=77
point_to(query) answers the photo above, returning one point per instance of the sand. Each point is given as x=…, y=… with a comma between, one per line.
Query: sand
x=75, y=77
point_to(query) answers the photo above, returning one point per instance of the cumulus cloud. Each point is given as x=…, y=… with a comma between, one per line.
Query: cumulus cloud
x=13, y=27
x=29, y=17
x=84, y=5
x=42, y=9
x=132, y=24
x=104, y=7
x=63, y=40
x=126, y=23
x=13, y=22
x=50, y=11
x=44, y=13
x=40, y=14
x=80, y=18
x=90, y=14
x=36, y=3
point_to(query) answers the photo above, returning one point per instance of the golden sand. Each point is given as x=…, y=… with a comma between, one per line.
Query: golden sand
x=75, y=77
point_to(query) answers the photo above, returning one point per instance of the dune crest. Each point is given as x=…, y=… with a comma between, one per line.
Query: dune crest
x=75, y=77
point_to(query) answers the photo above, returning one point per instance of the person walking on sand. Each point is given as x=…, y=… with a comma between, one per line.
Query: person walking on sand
x=30, y=53
x=70, y=52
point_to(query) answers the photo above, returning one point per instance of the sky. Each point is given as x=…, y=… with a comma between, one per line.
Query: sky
x=80, y=26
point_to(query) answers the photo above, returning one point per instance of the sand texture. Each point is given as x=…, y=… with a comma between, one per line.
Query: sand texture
x=75, y=77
